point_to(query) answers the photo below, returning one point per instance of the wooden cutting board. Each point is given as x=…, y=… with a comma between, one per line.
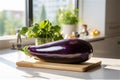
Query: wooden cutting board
x=88, y=65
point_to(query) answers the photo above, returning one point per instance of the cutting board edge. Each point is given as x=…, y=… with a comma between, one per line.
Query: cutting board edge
x=33, y=65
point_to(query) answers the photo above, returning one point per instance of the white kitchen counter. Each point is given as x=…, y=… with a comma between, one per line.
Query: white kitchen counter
x=93, y=38
x=110, y=69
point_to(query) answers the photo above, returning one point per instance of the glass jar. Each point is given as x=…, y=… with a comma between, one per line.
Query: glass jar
x=39, y=41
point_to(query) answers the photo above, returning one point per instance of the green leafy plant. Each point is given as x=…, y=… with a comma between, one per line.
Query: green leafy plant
x=43, y=29
x=25, y=50
x=69, y=16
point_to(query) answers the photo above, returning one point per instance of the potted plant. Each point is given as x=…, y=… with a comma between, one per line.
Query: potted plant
x=69, y=20
x=43, y=31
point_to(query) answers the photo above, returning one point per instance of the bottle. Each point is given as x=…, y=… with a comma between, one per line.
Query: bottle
x=77, y=34
x=84, y=31
x=19, y=40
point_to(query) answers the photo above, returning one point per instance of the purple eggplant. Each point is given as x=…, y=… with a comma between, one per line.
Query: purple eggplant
x=63, y=51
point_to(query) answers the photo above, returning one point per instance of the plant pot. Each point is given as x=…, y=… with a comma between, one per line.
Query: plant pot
x=39, y=41
x=67, y=29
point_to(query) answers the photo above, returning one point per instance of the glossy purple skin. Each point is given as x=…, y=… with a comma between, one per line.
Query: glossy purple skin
x=64, y=58
x=69, y=51
x=69, y=46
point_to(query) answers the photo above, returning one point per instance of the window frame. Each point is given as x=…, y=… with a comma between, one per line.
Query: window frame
x=29, y=12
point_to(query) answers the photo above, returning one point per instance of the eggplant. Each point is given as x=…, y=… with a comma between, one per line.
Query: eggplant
x=63, y=51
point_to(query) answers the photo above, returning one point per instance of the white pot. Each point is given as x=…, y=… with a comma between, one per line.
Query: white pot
x=67, y=29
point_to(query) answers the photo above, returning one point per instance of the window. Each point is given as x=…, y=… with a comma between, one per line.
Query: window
x=46, y=9
x=12, y=16
x=12, y=12
x=15, y=14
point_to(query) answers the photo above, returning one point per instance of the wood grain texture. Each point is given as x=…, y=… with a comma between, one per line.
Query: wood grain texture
x=88, y=65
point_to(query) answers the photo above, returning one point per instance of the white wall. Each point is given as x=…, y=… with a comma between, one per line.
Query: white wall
x=103, y=15
x=94, y=14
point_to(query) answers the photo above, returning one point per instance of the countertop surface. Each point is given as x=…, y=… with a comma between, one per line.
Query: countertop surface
x=93, y=38
x=110, y=69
